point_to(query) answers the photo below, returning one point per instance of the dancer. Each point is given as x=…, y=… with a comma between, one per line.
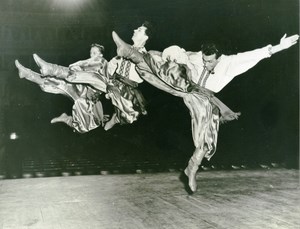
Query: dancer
x=91, y=71
x=128, y=100
x=196, y=76
x=87, y=111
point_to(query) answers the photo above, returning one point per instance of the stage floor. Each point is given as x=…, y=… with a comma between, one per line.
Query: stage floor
x=226, y=199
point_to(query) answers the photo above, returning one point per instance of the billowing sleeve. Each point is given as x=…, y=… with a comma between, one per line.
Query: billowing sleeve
x=192, y=60
x=242, y=62
x=176, y=54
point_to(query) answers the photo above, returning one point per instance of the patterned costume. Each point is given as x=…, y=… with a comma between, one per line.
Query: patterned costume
x=126, y=97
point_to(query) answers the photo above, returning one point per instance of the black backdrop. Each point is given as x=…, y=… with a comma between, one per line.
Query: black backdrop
x=267, y=95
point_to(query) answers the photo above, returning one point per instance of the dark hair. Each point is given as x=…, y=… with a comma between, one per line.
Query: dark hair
x=100, y=47
x=149, y=30
x=210, y=49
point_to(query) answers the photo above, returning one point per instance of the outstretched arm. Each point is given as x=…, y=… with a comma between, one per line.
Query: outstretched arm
x=285, y=43
x=242, y=62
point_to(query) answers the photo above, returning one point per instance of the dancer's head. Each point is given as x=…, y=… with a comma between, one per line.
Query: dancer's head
x=149, y=30
x=142, y=34
x=96, y=50
x=210, y=56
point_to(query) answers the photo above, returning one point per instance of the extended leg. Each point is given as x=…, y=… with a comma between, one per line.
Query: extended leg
x=48, y=69
x=48, y=84
x=124, y=49
x=29, y=74
x=145, y=72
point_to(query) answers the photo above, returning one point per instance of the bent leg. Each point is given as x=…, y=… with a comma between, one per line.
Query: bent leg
x=99, y=116
x=84, y=119
x=113, y=121
x=63, y=118
x=124, y=107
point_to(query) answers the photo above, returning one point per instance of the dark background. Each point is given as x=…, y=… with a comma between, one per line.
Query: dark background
x=62, y=31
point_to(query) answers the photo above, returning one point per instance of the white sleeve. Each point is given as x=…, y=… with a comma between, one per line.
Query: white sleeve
x=176, y=54
x=242, y=62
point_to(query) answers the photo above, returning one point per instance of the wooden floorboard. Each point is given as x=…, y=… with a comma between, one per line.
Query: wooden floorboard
x=225, y=199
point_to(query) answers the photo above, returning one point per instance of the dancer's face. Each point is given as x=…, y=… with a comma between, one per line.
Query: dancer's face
x=94, y=52
x=139, y=35
x=210, y=61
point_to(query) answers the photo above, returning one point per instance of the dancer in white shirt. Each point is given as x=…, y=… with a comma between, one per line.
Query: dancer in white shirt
x=196, y=76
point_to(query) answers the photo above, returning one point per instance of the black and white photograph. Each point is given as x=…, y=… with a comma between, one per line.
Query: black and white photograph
x=148, y=114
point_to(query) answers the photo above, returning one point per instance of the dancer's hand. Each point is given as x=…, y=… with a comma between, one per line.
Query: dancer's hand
x=75, y=68
x=286, y=42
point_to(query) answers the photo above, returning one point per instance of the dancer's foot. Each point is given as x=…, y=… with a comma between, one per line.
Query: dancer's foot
x=185, y=180
x=113, y=121
x=25, y=72
x=62, y=118
x=122, y=47
x=125, y=50
x=49, y=69
x=105, y=118
x=191, y=180
x=45, y=68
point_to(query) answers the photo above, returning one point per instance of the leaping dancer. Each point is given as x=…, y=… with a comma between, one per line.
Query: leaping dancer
x=87, y=111
x=196, y=77
x=128, y=100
